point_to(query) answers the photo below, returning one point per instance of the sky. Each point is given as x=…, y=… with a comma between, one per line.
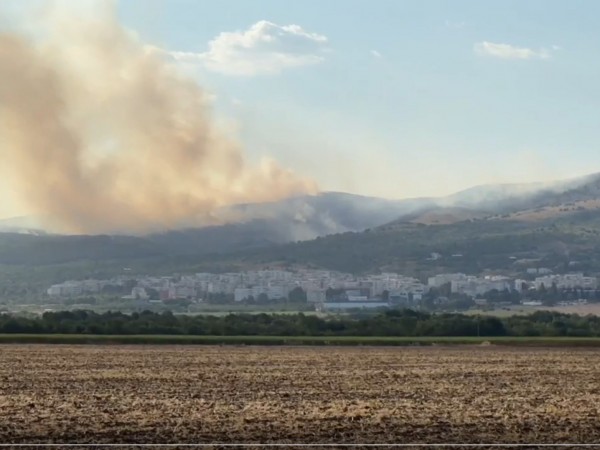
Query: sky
x=393, y=98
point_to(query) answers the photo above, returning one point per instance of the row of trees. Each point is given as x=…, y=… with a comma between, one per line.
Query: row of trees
x=390, y=323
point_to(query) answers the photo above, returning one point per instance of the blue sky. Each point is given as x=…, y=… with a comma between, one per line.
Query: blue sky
x=411, y=97
x=395, y=98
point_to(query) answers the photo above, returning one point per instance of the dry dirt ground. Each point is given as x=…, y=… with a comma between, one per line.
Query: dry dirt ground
x=582, y=310
x=120, y=394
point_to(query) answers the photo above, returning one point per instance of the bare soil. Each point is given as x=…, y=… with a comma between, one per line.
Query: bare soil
x=169, y=394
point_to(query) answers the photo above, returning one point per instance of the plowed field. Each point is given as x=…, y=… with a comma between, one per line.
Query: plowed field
x=168, y=394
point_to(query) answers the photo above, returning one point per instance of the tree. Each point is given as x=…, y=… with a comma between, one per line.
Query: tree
x=153, y=294
x=297, y=295
x=262, y=298
x=331, y=293
x=542, y=290
x=445, y=290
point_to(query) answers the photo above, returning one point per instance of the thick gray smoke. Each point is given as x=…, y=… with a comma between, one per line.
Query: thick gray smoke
x=100, y=134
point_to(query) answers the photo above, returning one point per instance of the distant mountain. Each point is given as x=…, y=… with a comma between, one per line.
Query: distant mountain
x=259, y=224
x=511, y=197
x=496, y=196
x=308, y=217
x=295, y=219
x=256, y=226
x=442, y=215
x=339, y=222
x=329, y=213
x=22, y=224
x=498, y=245
x=553, y=225
x=39, y=249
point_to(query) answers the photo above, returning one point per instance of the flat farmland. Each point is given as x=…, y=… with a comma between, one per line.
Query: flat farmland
x=210, y=394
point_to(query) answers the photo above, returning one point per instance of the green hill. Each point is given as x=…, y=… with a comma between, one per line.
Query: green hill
x=559, y=230
x=470, y=246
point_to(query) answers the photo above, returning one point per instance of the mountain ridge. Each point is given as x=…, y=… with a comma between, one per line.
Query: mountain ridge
x=329, y=222
x=340, y=211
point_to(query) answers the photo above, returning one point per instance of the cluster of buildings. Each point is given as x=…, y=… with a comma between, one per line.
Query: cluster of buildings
x=76, y=288
x=277, y=284
x=476, y=286
x=470, y=285
x=272, y=284
x=567, y=281
x=330, y=290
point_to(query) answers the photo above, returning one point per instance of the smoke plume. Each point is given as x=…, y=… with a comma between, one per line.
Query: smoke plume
x=99, y=133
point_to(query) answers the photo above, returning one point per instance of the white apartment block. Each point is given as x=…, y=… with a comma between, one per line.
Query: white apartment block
x=443, y=278
x=179, y=291
x=519, y=284
x=473, y=286
x=277, y=284
x=75, y=288
x=272, y=292
x=139, y=293
x=568, y=281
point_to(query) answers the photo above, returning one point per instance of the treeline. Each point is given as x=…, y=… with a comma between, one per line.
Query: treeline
x=390, y=323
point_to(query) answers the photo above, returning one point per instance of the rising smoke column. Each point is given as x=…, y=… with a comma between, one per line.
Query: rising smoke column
x=101, y=134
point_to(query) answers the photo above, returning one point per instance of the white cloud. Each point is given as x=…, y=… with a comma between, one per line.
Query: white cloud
x=376, y=54
x=507, y=51
x=265, y=48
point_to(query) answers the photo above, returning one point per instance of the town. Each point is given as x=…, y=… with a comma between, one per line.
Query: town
x=336, y=291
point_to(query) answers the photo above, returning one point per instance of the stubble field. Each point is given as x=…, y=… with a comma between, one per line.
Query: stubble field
x=169, y=394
